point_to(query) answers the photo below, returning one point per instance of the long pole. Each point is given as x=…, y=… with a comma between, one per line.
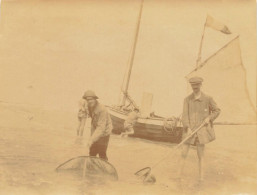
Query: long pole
x=181, y=143
x=198, y=61
x=169, y=153
x=132, y=54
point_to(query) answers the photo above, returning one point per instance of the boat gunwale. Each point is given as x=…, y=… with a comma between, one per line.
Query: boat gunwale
x=122, y=112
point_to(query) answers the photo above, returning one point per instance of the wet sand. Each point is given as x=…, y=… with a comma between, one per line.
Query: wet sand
x=34, y=142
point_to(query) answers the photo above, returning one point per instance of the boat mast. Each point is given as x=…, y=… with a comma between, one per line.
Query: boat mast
x=125, y=92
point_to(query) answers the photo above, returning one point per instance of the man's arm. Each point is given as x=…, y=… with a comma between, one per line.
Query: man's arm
x=215, y=111
x=185, y=117
x=100, y=127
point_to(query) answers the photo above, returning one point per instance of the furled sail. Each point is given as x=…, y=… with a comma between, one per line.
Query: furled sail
x=225, y=80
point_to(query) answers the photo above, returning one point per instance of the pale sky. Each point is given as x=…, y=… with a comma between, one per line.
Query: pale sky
x=52, y=51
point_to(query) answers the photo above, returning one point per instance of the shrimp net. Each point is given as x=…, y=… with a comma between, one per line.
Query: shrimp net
x=88, y=167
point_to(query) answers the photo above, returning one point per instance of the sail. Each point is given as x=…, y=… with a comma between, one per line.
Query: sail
x=225, y=80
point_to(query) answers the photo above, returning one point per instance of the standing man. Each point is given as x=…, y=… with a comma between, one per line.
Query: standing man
x=82, y=116
x=198, y=108
x=101, y=126
x=130, y=122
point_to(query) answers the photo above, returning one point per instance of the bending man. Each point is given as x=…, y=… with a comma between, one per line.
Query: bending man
x=101, y=126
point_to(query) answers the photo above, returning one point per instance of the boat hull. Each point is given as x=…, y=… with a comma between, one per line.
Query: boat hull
x=146, y=128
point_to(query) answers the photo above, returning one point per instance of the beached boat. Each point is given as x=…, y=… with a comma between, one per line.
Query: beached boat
x=150, y=127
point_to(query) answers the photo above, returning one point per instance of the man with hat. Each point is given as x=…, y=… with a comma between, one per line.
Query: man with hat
x=101, y=126
x=198, y=108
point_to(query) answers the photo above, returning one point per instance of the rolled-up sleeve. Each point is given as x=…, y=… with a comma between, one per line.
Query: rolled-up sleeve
x=100, y=126
x=215, y=111
x=185, y=114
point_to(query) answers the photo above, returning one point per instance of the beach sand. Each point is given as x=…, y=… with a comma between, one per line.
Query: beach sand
x=35, y=141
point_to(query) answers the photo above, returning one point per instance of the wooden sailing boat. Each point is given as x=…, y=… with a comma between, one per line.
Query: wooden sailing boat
x=149, y=127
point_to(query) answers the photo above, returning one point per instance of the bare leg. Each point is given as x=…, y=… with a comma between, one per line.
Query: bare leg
x=185, y=149
x=200, y=153
x=82, y=125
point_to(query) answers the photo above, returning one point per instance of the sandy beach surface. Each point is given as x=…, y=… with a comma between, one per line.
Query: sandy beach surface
x=35, y=141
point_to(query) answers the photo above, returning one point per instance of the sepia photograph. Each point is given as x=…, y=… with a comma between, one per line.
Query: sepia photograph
x=128, y=97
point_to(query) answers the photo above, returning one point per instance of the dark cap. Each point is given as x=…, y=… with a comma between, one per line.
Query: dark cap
x=195, y=80
x=89, y=93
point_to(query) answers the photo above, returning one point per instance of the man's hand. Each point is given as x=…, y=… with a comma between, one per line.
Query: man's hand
x=206, y=121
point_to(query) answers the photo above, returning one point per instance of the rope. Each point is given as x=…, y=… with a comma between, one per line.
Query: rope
x=170, y=127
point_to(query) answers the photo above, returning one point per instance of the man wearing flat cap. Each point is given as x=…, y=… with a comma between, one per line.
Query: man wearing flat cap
x=101, y=126
x=198, y=108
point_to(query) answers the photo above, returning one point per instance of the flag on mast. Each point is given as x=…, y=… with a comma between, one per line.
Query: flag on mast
x=216, y=25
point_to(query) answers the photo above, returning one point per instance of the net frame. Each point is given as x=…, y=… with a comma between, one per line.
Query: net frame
x=116, y=177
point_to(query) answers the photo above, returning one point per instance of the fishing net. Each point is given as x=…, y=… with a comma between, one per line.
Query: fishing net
x=145, y=173
x=88, y=167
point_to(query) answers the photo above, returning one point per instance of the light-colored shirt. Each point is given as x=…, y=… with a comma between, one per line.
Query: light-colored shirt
x=101, y=124
x=132, y=118
x=83, y=109
x=197, y=96
x=82, y=105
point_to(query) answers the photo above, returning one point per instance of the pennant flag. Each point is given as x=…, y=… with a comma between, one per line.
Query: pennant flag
x=210, y=22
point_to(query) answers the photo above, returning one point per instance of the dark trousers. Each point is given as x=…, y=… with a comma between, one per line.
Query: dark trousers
x=100, y=147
